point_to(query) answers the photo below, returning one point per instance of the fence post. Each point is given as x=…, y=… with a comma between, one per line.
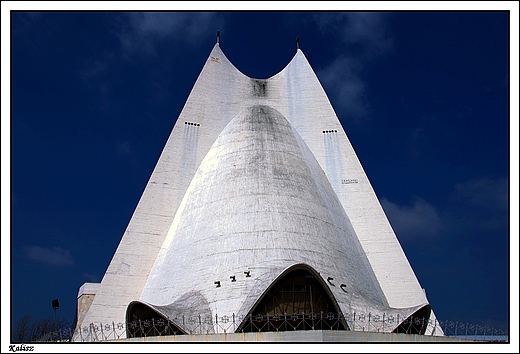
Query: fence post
x=81, y=334
x=410, y=325
x=92, y=331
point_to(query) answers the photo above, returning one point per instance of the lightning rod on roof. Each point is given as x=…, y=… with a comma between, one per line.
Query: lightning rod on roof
x=297, y=42
x=218, y=36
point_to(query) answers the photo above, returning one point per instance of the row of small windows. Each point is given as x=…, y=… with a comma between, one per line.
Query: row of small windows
x=329, y=131
x=190, y=123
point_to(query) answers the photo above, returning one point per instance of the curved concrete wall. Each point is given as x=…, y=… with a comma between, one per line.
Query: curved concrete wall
x=221, y=95
x=257, y=203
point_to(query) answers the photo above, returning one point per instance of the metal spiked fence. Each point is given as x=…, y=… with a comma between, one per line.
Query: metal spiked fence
x=199, y=324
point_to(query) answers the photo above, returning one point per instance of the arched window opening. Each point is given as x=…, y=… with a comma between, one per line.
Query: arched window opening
x=298, y=301
x=416, y=323
x=143, y=321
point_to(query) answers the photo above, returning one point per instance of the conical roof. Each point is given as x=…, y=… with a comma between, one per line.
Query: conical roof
x=257, y=175
x=258, y=202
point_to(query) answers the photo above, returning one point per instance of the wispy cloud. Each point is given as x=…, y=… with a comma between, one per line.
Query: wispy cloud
x=93, y=278
x=123, y=148
x=344, y=83
x=419, y=220
x=140, y=31
x=95, y=76
x=363, y=36
x=140, y=35
x=484, y=192
x=54, y=256
x=420, y=138
x=417, y=141
x=364, y=30
x=478, y=205
x=93, y=69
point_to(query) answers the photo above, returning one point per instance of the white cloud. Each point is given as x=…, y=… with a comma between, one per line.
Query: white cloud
x=141, y=30
x=367, y=29
x=419, y=139
x=364, y=36
x=93, y=278
x=343, y=82
x=94, y=76
x=166, y=23
x=54, y=256
x=485, y=192
x=412, y=222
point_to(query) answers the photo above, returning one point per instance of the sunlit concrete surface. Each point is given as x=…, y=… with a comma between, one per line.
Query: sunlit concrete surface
x=256, y=175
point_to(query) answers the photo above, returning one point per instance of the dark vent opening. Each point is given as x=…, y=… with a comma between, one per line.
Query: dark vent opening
x=298, y=301
x=143, y=321
x=416, y=323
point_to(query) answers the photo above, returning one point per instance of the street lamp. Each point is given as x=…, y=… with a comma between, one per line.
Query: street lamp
x=55, y=306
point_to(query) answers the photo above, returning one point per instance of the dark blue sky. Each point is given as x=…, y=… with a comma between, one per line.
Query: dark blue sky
x=423, y=97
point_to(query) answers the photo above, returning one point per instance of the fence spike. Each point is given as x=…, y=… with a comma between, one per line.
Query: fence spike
x=268, y=322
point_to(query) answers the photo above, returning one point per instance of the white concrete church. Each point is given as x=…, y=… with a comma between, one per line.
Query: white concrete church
x=258, y=206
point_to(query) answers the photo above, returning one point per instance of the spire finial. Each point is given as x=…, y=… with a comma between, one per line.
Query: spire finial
x=297, y=42
x=218, y=37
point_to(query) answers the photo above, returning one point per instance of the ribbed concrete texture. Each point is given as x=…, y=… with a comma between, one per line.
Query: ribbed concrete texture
x=257, y=177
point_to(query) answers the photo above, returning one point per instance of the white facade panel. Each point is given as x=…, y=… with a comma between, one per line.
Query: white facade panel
x=256, y=175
